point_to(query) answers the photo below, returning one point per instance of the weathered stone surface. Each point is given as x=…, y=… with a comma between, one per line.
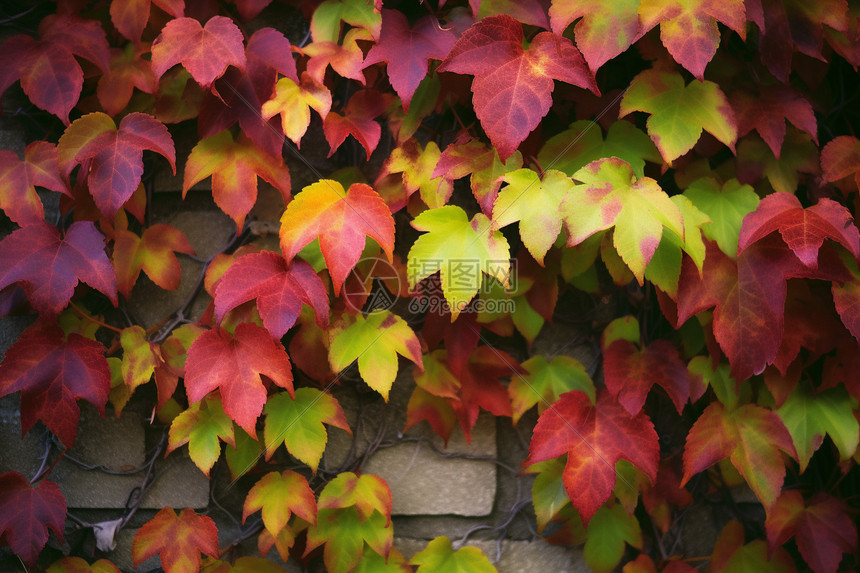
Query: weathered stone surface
x=22, y=455
x=515, y=556
x=571, y=340
x=178, y=483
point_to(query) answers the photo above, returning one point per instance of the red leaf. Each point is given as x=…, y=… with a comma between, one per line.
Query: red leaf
x=803, y=230
x=18, y=181
x=178, y=540
x=822, y=528
x=357, y=121
x=49, y=266
x=128, y=70
x=513, y=85
x=749, y=296
x=26, y=514
x=52, y=372
x=116, y=154
x=279, y=289
x=630, y=374
x=768, y=111
x=408, y=50
x=841, y=158
x=234, y=364
x=131, y=16
x=205, y=51
x=152, y=252
x=594, y=437
x=480, y=387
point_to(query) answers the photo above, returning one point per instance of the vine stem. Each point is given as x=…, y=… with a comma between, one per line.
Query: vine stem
x=92, y=319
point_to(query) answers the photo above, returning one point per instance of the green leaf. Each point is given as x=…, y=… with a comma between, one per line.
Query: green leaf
x=299, y=424
x=243, y=455
x=719, y=379
x=278, y=495
x=665, y=266
x=680, y=112
x=548, y=493
x=726, y=206
x=808, y=416
x=327, y=18
x=375, y=341
x=608, y=530
x=439, y=555
x=201, y=426
x=345, y=533
x=462, y=250
x=534, y=203
x=546, y=381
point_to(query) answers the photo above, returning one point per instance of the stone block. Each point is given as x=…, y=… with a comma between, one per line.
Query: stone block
x=178, y=484
x=513, y=556
x=19, y=454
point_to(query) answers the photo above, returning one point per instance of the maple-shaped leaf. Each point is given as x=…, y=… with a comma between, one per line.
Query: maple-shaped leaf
x=373, y=562
x=439, y=555
x=78, y=565
x=756, y=161
x=582, y=142
x=205, y=51
x=26, y=514
x=803, y=230
x=594, y=437
x=329, y=15
x=115, y=154
x=128, y=70
x=153, y=253
x=417, y=166
x=131, y=16
x=177, y=539
x=340, y=220
x=605, y=28
x=357, y=120
x=731, y=555
x=513, y=85
x=437, y=411
x=243, y=455
x=534, y=202
x=461, y=250
x=608, y=532
x=750, y=436
x=408, y=50
x=279, y=289
x=345, y=534
x=768, y=111
x=546, y=381
x=610, y=195
x=345, y=58
x=48, y=266
x=749, y=296
x=293, y=101
x=49, y=73
x=726, y=206
x=368, y=493
x=680, y=112
x=374, y=341
x=549, y=497
x=139, y=357
x=203, y=426
x=234, y=167
x=840, y=158
x=280, y=494
x=482, y=164
x=689, y=29
x=298, y=424
x=19, y=178
x=239, y=94
x=822, y=528
x=630, y=373
x=234, y=363
x=808, y=416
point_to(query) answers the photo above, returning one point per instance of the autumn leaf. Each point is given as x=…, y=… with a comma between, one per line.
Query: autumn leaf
x=234, y=167
x=768, y=111
x=26, y=514
x=373, y=562
x=439, y=555
x=50, y=76
x=327, y=19
x=689, y=29
x=803, y=230
x=610, y=195
x=340, y=221
x=278, y=495
x=731, y=555
x=357, y=120
x=605, y=28
x=608, y=531
x=298, y=424
x=19, y=178
x=726, y=205
x=437, y=411
x=205, y=51
x=115, y=155
x=408, y=49
x=153, y=253
x=139, y=357
x=680, y=112
x=450, y=238
x=545, y=381
x=533, y=201
x=368, y=493
x=344, y=534
x=203, y=426
x=822, y=528
x=128, y=70
x=594, y=437
x=750, y=436
x=131, y=16
x=243, y=455
x=234, y=363
x=293, y=101
x=756, y=161
x=840, y=158
x=177, y=539
x=279, y=289
x=416, y=166
x=345, y=58
x=78, y=565
x=630, y=373
x=513, y=85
